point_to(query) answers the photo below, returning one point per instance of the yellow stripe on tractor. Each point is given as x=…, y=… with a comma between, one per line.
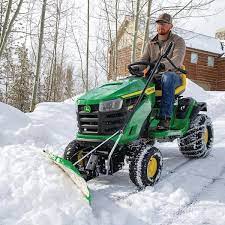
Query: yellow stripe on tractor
x=148, y=91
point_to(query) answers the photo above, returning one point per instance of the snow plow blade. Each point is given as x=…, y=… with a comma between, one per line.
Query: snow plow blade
x=72, y=172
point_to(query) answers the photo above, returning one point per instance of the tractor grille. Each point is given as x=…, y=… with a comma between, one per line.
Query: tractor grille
x=88, y=122
x=106, y=123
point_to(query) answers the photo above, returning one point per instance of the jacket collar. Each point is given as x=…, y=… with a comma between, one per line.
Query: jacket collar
x=155, y=38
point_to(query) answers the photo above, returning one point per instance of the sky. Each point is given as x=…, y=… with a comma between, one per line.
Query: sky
x=209, y=24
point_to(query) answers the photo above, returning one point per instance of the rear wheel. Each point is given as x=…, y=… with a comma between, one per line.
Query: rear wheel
x=197, y=142
x=146, y=166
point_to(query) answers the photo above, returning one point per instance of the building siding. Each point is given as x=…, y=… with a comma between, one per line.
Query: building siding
x=221, y=74
x=210, y=78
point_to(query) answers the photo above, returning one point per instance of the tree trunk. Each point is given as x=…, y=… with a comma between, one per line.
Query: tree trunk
x=147, y=23
x=87, y=53
x=7, y=27
x=6, y=21
x=54, y=72
x=109, y=55
x=62, y=62
x=34, y=94
x=116, y=44
x=134, y=44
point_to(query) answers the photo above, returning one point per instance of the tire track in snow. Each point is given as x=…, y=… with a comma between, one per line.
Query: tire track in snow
x=164, y=177
x=194, y=200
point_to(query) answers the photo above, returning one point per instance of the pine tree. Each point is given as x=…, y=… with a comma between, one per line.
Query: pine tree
x=21, y=88
x=69, y=83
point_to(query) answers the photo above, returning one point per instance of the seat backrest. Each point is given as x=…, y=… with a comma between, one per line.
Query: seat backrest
x=179, y=90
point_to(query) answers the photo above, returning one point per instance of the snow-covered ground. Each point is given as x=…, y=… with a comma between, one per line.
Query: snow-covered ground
x=34, y=191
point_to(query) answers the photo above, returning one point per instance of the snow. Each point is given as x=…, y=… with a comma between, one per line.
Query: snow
x=193, y=39
x=220, y=29
x=34, y=191
x=200, y=41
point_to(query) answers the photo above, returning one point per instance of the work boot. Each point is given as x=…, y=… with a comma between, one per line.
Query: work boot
x=164, y=124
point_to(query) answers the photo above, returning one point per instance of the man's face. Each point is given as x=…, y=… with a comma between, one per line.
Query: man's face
x=163, y=28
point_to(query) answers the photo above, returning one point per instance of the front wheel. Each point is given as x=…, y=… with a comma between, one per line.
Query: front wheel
x=74, y=152
x=146, y=166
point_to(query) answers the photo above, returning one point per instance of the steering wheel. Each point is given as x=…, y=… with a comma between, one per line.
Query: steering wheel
x=140, y=69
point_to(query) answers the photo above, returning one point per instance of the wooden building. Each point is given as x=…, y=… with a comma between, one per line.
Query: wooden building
x=204, y=59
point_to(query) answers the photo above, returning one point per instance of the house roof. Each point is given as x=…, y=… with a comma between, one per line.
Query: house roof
x=200, y=41
x=192, y=39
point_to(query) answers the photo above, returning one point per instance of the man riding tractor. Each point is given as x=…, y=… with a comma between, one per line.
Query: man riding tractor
x=167, y=76
x=123, y=119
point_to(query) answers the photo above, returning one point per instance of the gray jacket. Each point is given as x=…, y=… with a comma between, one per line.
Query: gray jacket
x=155, y=48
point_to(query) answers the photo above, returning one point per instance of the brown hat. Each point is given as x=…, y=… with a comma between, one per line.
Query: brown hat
x=165, y=17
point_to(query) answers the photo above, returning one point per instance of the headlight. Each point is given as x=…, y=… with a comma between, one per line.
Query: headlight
x=112, y=105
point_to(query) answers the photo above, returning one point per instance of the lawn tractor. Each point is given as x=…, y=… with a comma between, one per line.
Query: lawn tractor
x=118, y=123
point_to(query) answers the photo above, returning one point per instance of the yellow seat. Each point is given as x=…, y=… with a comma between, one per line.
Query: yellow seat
x=179, y=90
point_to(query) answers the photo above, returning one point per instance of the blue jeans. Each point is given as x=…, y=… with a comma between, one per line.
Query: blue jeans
x=169, y=82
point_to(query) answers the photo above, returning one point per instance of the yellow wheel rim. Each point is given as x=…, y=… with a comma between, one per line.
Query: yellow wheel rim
x=152, y=167
x=79, y=156
x=206, y=136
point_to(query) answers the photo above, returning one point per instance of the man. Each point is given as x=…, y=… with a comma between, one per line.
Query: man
x=169, y=79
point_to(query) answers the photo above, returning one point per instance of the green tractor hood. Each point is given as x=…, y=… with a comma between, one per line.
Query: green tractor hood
x=90, y=123
x=124, y=88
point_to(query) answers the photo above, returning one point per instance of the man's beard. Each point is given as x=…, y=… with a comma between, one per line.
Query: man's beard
x=163, y=32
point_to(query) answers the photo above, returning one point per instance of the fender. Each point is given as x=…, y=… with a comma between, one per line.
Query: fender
x=201, y=106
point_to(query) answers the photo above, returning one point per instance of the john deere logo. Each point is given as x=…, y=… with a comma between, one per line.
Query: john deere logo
x=87, y=108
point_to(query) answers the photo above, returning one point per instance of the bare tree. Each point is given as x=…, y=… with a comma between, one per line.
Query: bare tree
x=81, y=62
x=37, y=73
x=53, y=87
x=147, y=24
x=88, y=36
x=116, y=39
x=8, y=24
x=134, y=43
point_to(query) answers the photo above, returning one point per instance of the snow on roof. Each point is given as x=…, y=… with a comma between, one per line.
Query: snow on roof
x=220, y=30
x=192, y=39
x=200, y=41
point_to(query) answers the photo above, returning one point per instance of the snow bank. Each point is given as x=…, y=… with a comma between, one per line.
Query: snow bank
x=56, y=120
x=11, y=120
x=51, y=123
x=34, y=191
x=215, y=100
x=196, y=92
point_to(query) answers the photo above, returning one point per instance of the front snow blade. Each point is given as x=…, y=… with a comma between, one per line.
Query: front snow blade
x=73, y=173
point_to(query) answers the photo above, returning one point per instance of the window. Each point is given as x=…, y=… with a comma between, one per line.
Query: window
x=211, y=61
x=194, y=57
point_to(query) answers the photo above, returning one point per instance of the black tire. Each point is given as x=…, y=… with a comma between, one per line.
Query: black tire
x=197, y=142
x=140, y=168
x=71, y=151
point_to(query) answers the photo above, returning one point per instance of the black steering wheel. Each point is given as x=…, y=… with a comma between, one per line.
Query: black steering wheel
x=140, y=69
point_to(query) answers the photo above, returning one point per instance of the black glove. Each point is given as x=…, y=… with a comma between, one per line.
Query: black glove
x=135, y=68
x=152, y=64
x=162, y=67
